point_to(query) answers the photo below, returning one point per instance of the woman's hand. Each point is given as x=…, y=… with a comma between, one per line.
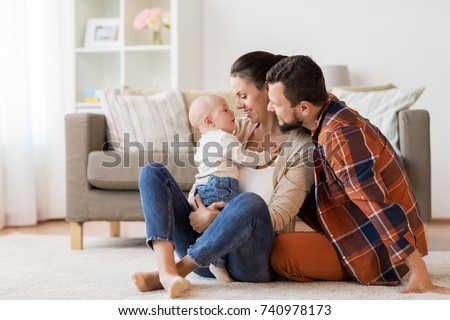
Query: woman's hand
x=201, y=217
x=274, y=152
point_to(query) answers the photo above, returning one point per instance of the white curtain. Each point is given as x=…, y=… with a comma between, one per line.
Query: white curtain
x=34, y=72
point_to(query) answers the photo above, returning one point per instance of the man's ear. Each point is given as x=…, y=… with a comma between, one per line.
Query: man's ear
x=305, y=107
x=207, y=121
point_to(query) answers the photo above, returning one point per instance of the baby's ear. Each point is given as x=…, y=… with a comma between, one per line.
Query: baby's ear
x=207, y=121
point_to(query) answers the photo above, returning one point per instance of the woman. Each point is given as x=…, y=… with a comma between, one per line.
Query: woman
x=244, y=229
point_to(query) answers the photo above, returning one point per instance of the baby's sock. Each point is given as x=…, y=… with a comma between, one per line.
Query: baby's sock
x=178, y=286
x=221, y=273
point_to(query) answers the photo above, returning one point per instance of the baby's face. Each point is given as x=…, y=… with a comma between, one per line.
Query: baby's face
x=223, y=116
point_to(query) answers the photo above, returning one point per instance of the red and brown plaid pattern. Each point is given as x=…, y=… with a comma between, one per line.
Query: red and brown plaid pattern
x=365, y=202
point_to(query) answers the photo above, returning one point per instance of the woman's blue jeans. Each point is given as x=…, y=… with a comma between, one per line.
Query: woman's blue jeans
x=242, y=230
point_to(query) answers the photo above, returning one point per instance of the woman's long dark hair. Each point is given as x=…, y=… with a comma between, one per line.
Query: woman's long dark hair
x=254, y=65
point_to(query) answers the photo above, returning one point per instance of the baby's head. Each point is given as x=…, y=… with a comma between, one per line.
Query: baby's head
x=211, y=112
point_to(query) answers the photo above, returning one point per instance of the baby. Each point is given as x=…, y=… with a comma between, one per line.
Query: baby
x=218, y=156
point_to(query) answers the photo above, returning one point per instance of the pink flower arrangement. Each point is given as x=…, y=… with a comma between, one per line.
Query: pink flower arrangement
x=154, y=19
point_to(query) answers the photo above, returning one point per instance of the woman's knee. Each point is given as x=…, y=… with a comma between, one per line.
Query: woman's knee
x=153, y=167
x=151, y=171
x=251, y=202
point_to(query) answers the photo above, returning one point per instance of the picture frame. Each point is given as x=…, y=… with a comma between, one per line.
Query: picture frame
x=102, y=32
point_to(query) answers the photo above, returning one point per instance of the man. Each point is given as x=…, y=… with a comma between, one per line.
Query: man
x=366, y=208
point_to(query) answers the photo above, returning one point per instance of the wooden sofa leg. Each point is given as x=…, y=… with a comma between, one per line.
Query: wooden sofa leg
x=114, y=229
x=76, y=235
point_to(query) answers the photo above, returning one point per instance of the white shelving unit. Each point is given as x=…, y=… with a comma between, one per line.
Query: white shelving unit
x=133, y=61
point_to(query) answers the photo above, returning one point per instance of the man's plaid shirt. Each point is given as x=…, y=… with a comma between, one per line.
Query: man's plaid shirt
x=365, y=202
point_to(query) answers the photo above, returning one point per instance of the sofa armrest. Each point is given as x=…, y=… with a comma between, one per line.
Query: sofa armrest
x=414, y=134
x=85, y=132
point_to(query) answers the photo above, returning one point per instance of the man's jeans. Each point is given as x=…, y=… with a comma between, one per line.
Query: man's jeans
x=242, y=230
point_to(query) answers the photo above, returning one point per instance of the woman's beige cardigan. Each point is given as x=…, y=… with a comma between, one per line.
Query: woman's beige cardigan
x=292, y=178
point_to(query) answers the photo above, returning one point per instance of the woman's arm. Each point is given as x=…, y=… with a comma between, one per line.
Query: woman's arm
x=293, y=181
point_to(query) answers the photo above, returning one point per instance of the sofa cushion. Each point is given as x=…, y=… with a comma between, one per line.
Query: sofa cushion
x=367, y=88
x=189, y=96
x=150, y=121
x=381, y=107
x=118, y=170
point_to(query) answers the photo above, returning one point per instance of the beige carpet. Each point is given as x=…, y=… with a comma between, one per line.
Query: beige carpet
x=43, y=267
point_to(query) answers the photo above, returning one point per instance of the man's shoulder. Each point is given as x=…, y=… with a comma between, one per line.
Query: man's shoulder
x=341, y=116
x=338, y=117
x=340, y=113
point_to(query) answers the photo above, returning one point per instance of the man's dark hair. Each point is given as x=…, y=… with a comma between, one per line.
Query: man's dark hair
x=302, y=79
x=254, y=65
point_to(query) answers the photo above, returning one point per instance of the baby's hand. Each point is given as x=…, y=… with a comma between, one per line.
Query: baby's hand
x=274, y=151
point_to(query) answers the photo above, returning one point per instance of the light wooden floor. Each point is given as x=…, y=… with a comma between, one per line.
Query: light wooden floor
x=438, y=231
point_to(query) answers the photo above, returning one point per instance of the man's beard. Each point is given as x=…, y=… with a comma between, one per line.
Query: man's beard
x=296, y=124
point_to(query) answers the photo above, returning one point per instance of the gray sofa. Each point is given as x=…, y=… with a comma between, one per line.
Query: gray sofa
x=96, y=192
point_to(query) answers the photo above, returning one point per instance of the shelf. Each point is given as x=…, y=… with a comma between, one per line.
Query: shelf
x=132, y=61
x=97, y=49
x=163, y=47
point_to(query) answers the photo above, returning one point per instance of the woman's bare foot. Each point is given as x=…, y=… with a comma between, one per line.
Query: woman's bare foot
x=147, y=281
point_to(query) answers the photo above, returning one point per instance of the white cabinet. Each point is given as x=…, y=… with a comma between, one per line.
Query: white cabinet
x=132, y=60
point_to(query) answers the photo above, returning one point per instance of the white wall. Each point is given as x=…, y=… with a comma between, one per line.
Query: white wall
x=404, y=42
